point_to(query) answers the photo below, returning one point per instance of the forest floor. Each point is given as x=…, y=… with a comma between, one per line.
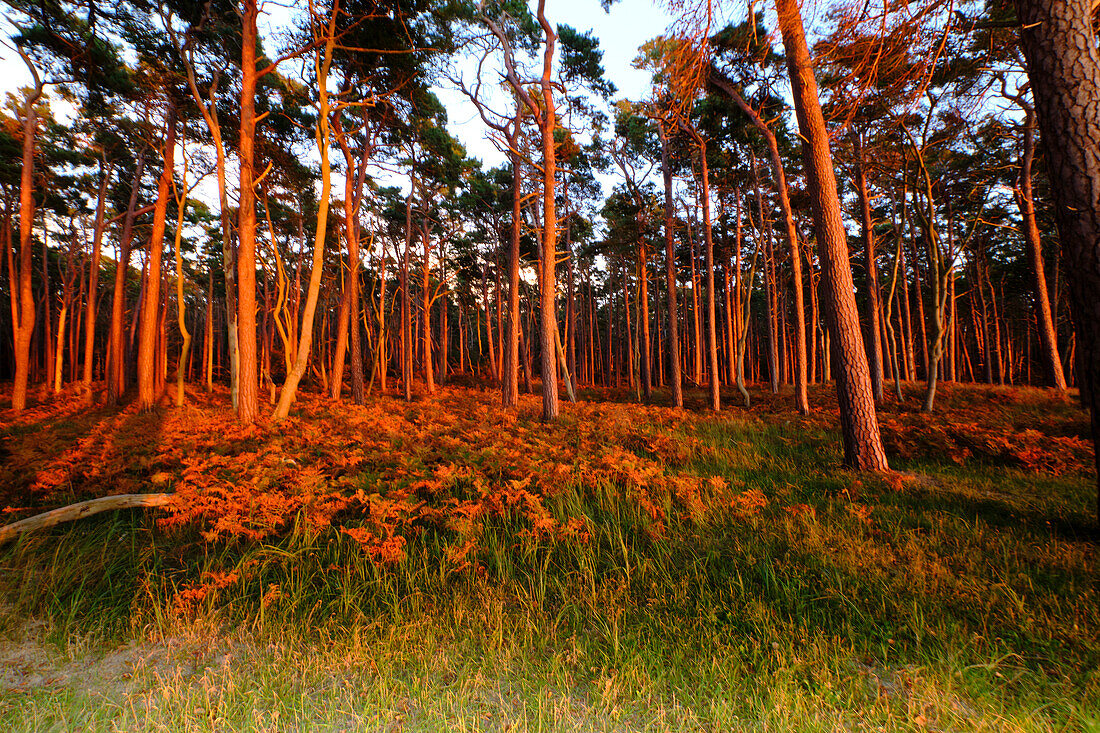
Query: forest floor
x=445, y=565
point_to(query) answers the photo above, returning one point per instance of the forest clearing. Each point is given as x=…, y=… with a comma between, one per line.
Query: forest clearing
x=627, y=567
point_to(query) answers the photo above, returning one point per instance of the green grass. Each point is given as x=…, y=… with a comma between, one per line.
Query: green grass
x=966, y=600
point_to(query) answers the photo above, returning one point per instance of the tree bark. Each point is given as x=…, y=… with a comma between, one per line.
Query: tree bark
x=248, y=383
x=872, y=268
x=23, y=321
x=859, y=423
x=93, y=280
x=150, y=309
x=80, y=510
x=1048, y=335
x=510, y=382
x=1063, y=65
x=670, y=278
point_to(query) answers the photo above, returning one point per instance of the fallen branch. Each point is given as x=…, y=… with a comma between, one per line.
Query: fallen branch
x=80, y=510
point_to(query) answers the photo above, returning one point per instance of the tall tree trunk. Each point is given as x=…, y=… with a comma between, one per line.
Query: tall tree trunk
x=406, y=316
x=859, y=423
x=340, y=349
x=93, y=279
x=1048, y=335
x=23, y=320
x=771, y=307
x=801, y=377
x=548, y=277
x=670, y=277
x=872, y=267
x=116, y=365
x=712, y=335
x=208, y=336
x=697, y=344
x=510, y=382
x=426, y=306
x=322, y=63
x=248, y=386
x=1063, y=64
x=181, y=305
x=643, y=325
x=150, y=309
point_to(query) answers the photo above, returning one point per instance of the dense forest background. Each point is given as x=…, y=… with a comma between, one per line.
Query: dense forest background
x=304, y=213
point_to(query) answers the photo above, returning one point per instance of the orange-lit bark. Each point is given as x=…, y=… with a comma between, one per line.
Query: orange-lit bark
x=150, y=309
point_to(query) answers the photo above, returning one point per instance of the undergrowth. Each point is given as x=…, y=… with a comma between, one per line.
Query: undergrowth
x=445, y=565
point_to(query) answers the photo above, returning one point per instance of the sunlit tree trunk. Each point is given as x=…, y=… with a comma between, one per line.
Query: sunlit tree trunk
x=779, y=172
x=150, y=309
x=859, y=423
x=426, y=308
x=1048, y=335
x=93, y=279
x=181, y=305
x=643, y=324
x=116, y=370
x=670, y=277
x=510, y=382
x=23, y=316
x=208, y=337
x=1063, y=64
x=547, y=275
x=770, y=306
x=248, y=386
x=322, y=63
x=872, y=267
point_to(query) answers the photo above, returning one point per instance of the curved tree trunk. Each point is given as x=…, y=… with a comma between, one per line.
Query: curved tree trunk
x=801, y=374
x=305, y=341
x=23, y=321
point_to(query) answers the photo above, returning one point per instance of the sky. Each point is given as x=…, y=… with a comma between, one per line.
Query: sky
x=621, y=31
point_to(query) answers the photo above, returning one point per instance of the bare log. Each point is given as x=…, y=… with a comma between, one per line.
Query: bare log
x=80, y=510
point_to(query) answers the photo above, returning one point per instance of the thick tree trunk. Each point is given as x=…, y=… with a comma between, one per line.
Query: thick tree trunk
x=859, y=423
x=1063, y=65
x=548, y=277
x=248, y=384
